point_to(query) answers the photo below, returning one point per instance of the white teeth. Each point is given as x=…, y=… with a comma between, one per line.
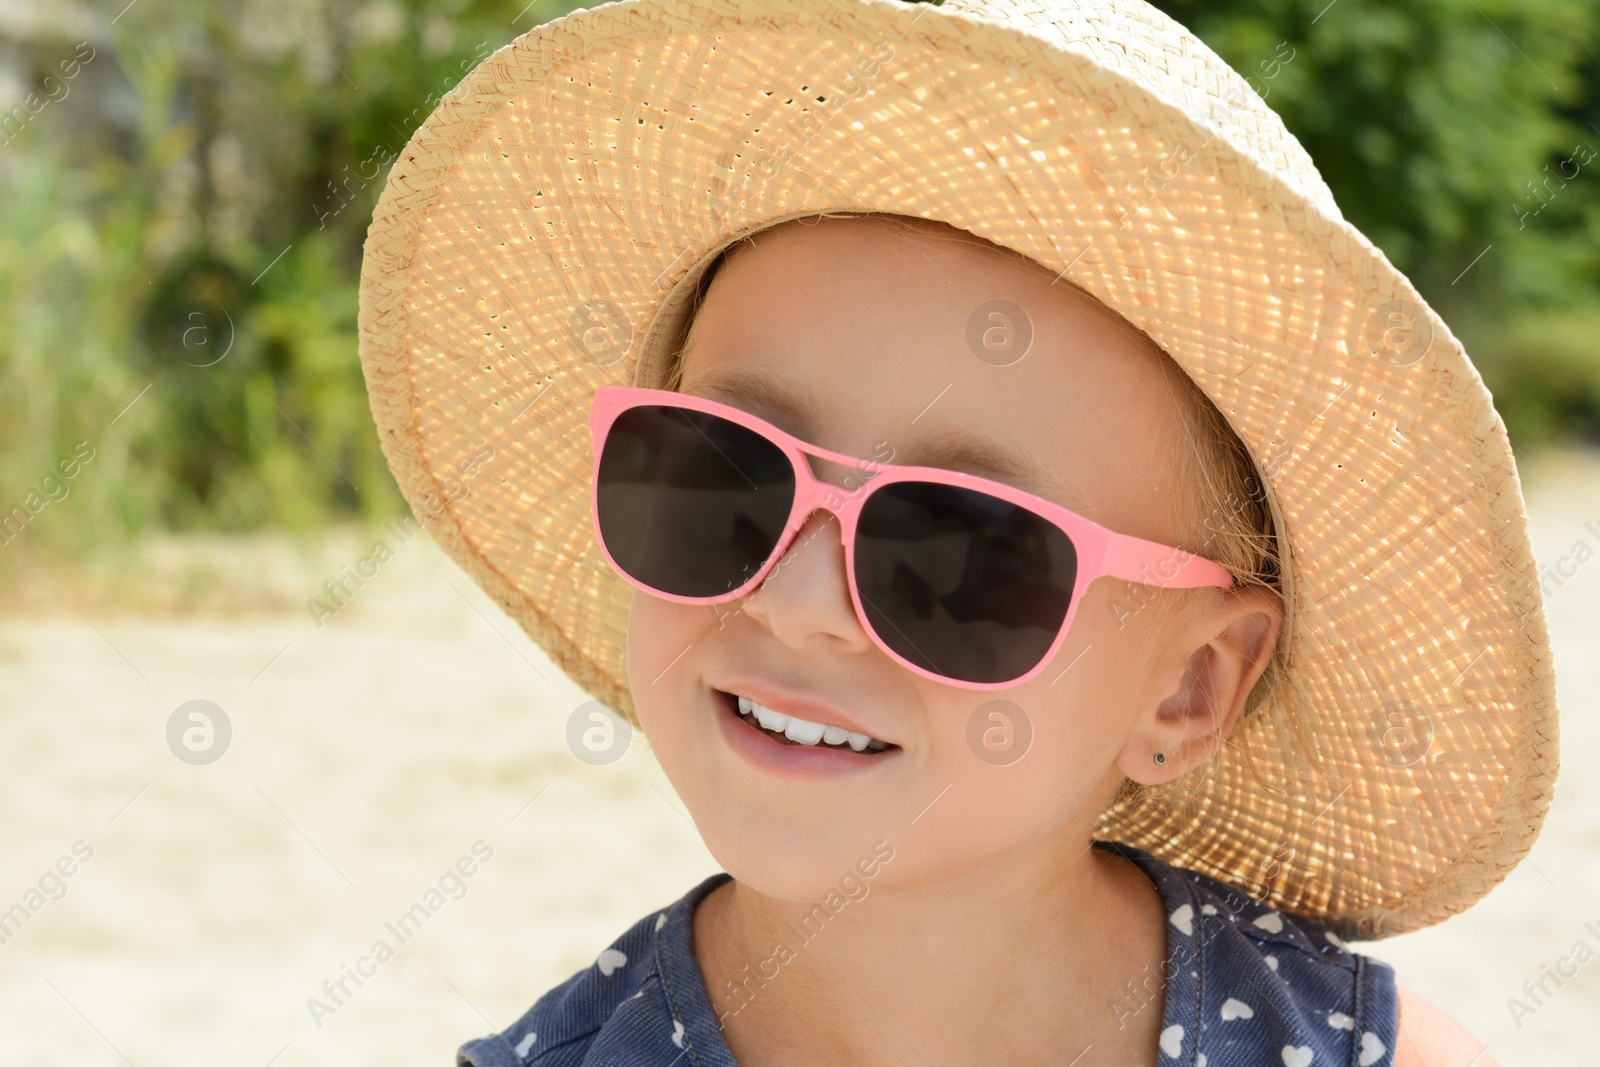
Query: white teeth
x=805, y=732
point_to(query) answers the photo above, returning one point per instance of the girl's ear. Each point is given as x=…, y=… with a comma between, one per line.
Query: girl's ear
x=1231, y=642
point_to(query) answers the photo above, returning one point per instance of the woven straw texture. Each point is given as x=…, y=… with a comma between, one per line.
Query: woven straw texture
x=530, y=234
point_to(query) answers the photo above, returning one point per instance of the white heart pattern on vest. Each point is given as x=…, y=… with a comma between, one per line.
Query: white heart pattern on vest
x=1297, y=1056
x=1233, y=1008
x=1372, y=1049
x=609, y=960
x=1172, y=1041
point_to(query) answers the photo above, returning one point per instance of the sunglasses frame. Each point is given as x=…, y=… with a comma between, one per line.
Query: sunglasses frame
x=1100, y=552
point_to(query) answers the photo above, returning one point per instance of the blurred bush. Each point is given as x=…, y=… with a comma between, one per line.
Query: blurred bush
x=1544, y=371
x=180, y=244
x=181, y=221
x=1464, y=140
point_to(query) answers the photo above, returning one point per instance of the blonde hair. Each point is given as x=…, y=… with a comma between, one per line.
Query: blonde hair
x=1230, y=522
x=1226, y=513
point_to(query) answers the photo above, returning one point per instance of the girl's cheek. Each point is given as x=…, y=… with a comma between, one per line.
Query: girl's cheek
x=654, y=626
x=667, y=646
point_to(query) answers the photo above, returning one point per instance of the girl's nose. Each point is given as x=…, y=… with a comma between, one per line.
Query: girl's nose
x=805, y=598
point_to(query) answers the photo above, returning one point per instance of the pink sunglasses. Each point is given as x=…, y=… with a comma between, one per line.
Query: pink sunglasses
x=958, y=578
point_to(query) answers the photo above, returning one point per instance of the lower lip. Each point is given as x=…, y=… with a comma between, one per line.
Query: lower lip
x=766, y=752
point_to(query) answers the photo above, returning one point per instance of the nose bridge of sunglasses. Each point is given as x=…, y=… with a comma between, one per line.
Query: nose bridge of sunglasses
x=841, y=477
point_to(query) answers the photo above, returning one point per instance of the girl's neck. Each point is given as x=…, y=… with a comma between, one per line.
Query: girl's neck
x=1032, y=953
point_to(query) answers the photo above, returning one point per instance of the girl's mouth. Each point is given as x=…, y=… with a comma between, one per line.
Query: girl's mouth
x=769, y=728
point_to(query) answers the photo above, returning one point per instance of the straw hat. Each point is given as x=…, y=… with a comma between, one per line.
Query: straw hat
x=541, y=232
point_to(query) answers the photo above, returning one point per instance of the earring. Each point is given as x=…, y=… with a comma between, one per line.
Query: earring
x=1161, y=757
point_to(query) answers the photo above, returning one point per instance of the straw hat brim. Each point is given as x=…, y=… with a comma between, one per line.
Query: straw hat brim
x=528, y=239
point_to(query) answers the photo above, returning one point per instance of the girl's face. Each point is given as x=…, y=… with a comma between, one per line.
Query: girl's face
x=853, y=334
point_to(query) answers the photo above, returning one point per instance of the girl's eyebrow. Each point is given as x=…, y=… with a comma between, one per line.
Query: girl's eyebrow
x=953, y=449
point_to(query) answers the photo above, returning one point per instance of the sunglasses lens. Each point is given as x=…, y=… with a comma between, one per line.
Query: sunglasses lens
x=689, y=503
x=961, y=583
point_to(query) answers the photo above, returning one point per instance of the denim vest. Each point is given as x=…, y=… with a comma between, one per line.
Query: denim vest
x=1246, y=986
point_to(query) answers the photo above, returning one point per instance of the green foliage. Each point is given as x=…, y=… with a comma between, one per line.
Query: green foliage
x=1452, y=135
x=1541, y=369
x=183, y=233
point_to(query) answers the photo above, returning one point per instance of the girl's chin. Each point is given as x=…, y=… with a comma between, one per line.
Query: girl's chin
x=808, y=887
x=805, y=866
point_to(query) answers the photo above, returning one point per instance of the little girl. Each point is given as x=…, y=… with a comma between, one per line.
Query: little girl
x=962, y=500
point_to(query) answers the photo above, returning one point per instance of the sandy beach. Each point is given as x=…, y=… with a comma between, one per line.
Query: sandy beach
x=417, y=735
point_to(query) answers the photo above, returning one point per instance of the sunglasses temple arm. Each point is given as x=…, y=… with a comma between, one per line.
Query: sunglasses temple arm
x=1134, y=559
